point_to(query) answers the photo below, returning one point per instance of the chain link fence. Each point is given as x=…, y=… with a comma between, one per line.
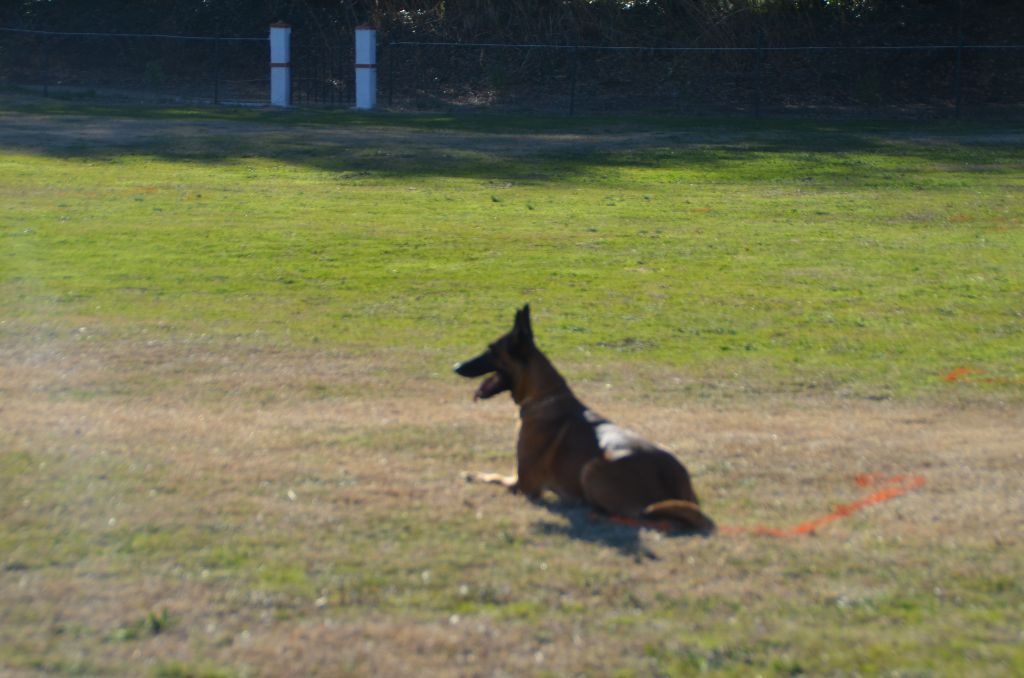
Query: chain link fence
x=196, y=69
x=129, y=65
x=930, y=80
x=919, y=80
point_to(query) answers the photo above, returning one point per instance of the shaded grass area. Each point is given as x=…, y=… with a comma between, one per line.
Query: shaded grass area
x=467, y=121
x=860, y=260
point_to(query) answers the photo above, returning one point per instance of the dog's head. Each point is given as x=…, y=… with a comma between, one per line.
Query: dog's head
x=504, y=361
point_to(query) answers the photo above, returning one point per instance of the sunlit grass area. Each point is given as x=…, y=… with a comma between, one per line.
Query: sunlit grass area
x=864, y=260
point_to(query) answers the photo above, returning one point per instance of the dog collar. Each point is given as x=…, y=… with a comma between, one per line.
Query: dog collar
x=527, y=407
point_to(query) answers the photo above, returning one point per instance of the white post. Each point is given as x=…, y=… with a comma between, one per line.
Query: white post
x=366, y=67
x=280, y=64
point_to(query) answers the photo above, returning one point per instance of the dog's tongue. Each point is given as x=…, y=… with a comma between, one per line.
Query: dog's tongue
x=487, y=387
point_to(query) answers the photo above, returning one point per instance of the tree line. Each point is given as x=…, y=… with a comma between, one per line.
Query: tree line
x=652, y=23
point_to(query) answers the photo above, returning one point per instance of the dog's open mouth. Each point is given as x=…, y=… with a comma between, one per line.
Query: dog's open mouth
x=492, y=385
x=496, y=381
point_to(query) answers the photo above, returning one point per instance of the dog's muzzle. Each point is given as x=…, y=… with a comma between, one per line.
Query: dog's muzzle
x=476, y=367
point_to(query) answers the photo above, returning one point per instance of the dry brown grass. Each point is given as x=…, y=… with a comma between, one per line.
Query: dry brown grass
x=300, y=513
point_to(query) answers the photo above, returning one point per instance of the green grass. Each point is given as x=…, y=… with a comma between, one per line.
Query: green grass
x=795, y=255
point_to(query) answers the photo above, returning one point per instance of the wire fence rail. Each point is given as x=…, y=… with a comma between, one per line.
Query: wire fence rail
x=935, y=79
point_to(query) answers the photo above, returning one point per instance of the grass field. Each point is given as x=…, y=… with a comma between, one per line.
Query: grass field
x=230, y=441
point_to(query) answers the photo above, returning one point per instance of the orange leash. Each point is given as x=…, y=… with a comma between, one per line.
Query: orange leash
x=963, y=374
x=893, y=486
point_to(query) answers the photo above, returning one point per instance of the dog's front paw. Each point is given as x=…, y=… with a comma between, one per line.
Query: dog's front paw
x=494, y=478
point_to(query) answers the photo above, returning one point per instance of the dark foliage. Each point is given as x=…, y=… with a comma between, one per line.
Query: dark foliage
x=608, y=22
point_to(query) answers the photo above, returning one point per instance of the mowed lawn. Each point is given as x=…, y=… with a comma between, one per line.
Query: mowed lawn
x=230, y=441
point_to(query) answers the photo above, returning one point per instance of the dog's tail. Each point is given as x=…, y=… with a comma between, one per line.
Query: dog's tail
x=684, y=513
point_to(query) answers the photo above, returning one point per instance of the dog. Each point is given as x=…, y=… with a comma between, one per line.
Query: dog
x=567, y=448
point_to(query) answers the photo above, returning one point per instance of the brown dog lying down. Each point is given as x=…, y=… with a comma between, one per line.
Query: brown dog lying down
x=565, y=447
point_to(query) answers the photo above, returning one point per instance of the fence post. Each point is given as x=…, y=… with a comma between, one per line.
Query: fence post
x=572, y=79
x=391, y=74
x=216, y=70
x=366, y=67
x=957, y=77
x=46, y=66
x=758, y=75
x=958, y=94
x=280, y=64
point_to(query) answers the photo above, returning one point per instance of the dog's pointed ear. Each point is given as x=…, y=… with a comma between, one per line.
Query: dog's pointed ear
x=522, y=330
